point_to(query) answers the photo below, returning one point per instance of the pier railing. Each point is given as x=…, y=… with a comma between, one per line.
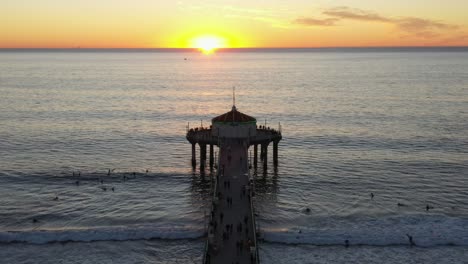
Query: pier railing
x=203, y=135
x=211, y=220
x=252, y=211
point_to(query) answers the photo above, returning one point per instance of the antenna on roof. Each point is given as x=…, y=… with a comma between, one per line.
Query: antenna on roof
x=233, y=98
x=233, y=95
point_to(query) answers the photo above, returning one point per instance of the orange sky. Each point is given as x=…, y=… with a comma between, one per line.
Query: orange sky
x=241, y=23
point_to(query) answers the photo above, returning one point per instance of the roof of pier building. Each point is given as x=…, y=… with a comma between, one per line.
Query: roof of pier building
x=234, y=116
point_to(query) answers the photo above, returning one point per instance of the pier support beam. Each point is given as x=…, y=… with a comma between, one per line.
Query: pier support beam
x=194, y=161
x=255, y=161
x=202, y=156
x=211, y=156
x=265, y=156
x=275, y=153
x=262, y=151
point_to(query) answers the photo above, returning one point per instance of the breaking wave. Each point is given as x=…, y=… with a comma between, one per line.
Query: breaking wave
x=425, y=231
x=101, y=234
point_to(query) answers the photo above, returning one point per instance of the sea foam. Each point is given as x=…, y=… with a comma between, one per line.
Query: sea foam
x=427, y=231
x=116, y=233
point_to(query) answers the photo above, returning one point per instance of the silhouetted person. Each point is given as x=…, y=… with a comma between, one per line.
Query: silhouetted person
x=372, y=195
x=346, y=242
x=77, y=183
x=410, y=239
x=113, y=189
x=108, y=172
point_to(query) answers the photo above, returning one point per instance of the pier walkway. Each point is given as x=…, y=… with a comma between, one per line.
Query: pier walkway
x=231, y=231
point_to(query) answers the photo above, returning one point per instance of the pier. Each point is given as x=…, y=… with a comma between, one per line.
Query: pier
x=263, y=138
x=231, y=232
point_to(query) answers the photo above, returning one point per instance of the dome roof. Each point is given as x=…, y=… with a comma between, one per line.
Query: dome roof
x=234, y=116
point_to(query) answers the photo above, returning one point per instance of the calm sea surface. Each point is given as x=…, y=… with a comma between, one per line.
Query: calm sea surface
x=394, y=124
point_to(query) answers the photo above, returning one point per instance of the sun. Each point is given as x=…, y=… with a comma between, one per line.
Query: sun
x=208, y=44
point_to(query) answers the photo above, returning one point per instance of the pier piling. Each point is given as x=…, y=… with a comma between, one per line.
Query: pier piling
x=211, y=156
x=275, y=153
x=262, y=152
x=202, y=156
x=265, y=156
x=194, y=161
x=255, y=155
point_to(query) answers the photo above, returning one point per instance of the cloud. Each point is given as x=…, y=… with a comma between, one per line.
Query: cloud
x=355, y=14
x=421, y=27
x=414, y=23
x=307, y=21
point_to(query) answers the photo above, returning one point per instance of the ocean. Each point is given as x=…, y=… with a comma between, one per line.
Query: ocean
x=392, y=122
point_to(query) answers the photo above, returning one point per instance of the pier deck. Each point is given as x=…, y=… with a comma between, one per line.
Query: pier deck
x=239, y=244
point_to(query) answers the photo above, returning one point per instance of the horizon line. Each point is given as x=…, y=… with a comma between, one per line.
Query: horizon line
x=227, y=49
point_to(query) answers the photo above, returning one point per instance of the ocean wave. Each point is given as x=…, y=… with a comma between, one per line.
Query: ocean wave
x=426, y=232
x=120, y=233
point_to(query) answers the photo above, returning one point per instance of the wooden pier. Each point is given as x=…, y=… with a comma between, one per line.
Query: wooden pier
x=232, y=234
x=204, y=137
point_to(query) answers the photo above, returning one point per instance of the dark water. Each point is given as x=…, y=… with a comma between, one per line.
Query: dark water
x=391, y=123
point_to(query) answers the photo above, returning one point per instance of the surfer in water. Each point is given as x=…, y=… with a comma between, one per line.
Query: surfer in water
x=411, y=241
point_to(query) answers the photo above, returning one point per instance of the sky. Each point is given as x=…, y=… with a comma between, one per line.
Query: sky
x=240, y=23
